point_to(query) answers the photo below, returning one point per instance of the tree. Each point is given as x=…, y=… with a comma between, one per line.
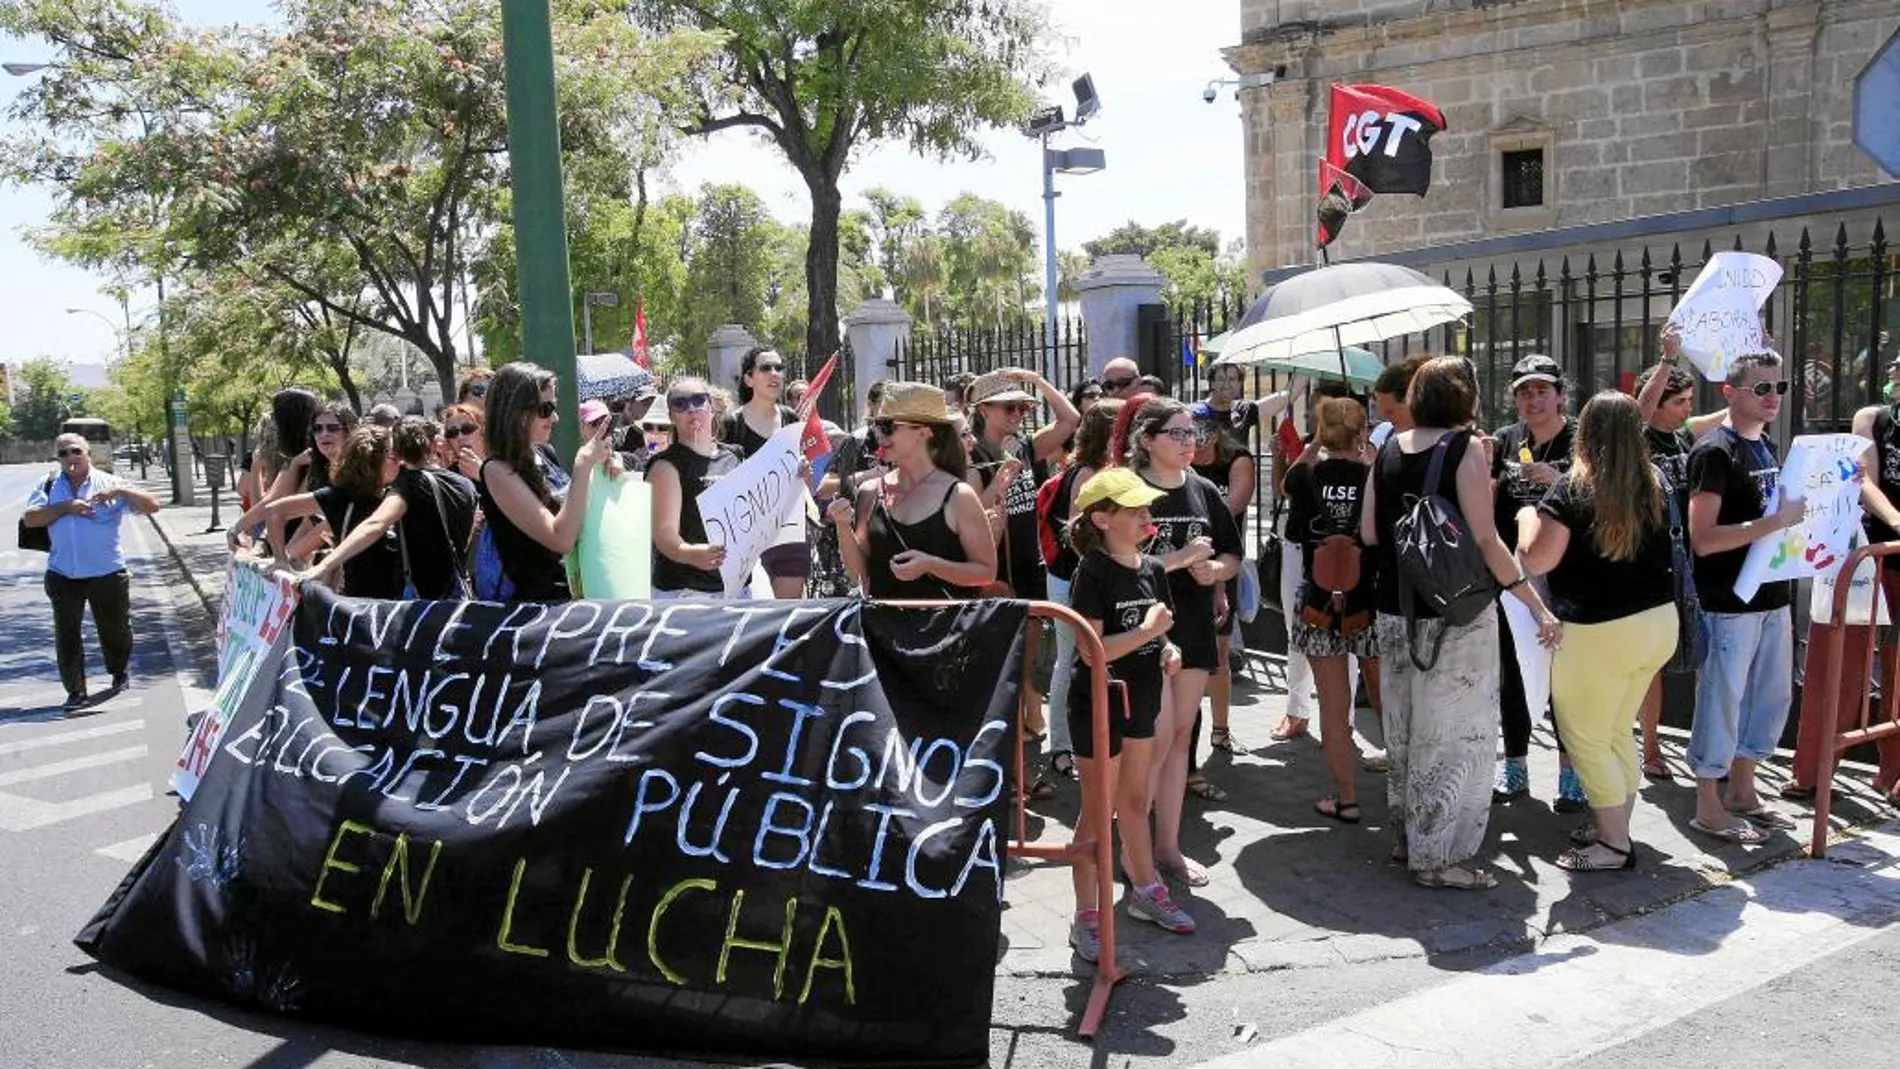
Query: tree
x=1131, y=238
x=990, y=257
x=823, y=79
x=729, y=269
x=895, y=221
x=45, y=398
x=1190, y=257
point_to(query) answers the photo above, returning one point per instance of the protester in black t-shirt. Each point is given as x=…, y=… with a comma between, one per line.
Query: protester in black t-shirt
x=1528, y=457
x=1125, y=597
x=1196, y=536
x=431, y=513
x=1746, y=679
x=1602, y=535
x=1010, y=470
x=685, y=564
x=363, y=471
x=1325, y=499
x=1091, y=455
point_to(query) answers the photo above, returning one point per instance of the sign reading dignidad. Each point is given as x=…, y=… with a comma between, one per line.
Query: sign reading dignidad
x=765, y=828
x=746, y=510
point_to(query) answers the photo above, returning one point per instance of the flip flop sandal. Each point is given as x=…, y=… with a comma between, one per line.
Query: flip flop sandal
x=1657, y=772
x=1203, y=789
x=1287, y=734
x=1331, y=806
x=1041, y=790
x=1223, y=739
x=1187, y=873
x=1744, y=833
x=1465, y=880
x=1579, y=860
x=1794, y=792
x=1762, y=816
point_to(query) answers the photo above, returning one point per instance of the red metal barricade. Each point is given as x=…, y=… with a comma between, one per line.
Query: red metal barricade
x=1864, y=727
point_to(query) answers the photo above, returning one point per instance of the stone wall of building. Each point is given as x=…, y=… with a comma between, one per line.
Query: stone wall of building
x=1642, y=107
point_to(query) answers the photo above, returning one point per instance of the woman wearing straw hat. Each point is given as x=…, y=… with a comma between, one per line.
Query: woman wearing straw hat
x=919, y=530
x=1010, y=470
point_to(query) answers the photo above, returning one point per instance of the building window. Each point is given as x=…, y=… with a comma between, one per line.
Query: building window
x=1523, y=184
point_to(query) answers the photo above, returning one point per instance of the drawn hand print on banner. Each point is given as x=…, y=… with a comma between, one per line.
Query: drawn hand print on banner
x=1792, y=547
x=205, y=861
x=1820, y=556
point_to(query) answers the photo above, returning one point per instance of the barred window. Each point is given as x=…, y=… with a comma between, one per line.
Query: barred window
x=1524, y=178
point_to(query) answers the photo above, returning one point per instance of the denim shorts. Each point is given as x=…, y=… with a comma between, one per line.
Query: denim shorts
x=1743, y=690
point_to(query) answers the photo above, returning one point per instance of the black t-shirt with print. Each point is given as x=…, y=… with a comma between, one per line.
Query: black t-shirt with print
x=1222, y=476
x=1743, y=473
x=1022, y=566
x=1120, y=597
x=377, y=571
x=1324, y=499
x=1588, y=588
x=1181, y=514
x=1514, y=491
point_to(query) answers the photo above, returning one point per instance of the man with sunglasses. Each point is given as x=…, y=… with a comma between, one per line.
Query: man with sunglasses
x=1119, y=378
x=1746, y=680
x=83, y=508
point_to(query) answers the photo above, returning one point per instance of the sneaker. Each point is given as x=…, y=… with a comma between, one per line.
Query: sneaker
x=76, y=700
x=1570, y=796
x=120, y=681
x=1156, y=905
x=1085, y=936
x=1513, y=781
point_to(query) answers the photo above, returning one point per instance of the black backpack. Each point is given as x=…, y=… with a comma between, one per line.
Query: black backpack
x=1439, y=562
x=38, y=539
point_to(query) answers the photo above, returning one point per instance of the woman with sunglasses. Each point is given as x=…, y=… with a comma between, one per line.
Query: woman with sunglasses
x=685, y=564
x=307, y=470
x=531, y=522
x=748, y=427
x=364, y=468
x=462, y=448
x=1196, y=538
x=1222, y=460
x=431, y=512
x=1011, y=470
x=918, y=532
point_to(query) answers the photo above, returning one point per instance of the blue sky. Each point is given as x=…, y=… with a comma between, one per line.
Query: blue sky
x=1170, y=156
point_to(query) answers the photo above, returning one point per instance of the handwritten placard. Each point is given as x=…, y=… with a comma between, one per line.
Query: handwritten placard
x=1820, y=470
x=749, y=509
x=1719, y=317
x=251, y=623
x=1866, y=602
x=760, y=828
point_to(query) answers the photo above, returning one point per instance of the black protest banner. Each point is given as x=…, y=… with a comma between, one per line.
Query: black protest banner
x=767, y=828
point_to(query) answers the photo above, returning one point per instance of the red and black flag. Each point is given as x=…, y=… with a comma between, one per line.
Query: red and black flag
x=1378, y=140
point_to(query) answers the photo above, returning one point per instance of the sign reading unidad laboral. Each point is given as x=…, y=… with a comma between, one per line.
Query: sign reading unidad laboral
x=773, y=829
x=747, y=510
x=1820, y=470
x=250, y=634
x=1719, y=318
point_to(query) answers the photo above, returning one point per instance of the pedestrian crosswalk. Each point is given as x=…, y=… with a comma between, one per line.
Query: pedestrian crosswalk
x=111, y=771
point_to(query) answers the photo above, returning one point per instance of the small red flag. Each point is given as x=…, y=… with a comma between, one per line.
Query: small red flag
x=639, y=346
x=814, y=441
x=817, y=386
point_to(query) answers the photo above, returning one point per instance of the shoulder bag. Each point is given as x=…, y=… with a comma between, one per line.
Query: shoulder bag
x=1689, y=645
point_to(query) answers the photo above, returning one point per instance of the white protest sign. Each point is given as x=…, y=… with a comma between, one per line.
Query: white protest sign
x=1719, y=318
x=1866, y=603
x=1820, y=470
x=1533, y=657
x=747, y=509
x=256, y=609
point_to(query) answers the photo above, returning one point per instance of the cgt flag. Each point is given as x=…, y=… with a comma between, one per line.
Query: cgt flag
x=1378, y=140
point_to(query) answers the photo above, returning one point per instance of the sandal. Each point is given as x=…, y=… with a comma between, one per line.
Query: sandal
x=1041, y=790
x=1794, y=792
x=1186, y=872
x=1579, y=860
x=1331, y=806
x=1062, y=763
x=1762, y=816
x=1657, y=771
x=1291, y=728
x=1744, y=833
x=1455, y=878
x=1223, y=739
x=1200, y=787
x=1400, y=855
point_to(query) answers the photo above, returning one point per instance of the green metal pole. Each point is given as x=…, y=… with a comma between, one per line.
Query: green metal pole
x=534, y=154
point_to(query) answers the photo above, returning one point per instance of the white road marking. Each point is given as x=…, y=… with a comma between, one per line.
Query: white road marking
x=1581, y=994
x=130, y=850
x=26, y=814
x=76, y=735
x=60, y=768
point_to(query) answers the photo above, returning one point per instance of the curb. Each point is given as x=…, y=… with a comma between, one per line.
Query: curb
x=210, y=604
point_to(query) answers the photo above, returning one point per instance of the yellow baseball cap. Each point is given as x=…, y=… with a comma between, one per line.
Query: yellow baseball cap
x=1120, y=485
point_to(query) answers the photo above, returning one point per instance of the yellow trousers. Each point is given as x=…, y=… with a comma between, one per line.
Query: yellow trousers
x=1597, y=681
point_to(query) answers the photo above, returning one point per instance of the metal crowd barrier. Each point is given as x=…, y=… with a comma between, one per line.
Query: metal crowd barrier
x=1865, y=727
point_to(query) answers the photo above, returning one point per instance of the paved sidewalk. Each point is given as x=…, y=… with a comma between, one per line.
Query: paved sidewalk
x=1292, y=890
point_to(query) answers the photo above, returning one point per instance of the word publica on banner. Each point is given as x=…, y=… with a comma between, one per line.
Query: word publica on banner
x=785, y=762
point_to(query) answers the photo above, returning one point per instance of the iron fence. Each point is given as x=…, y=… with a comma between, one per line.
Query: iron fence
x=938, y=354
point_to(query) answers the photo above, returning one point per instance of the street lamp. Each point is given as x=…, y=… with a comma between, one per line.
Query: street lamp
x=590, y=302
x=1043, y=123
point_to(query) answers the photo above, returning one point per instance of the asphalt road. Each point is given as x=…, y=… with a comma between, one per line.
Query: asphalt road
x=82, y=796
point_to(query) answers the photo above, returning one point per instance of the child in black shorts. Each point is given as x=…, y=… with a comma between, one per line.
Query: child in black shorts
x=1124, y=596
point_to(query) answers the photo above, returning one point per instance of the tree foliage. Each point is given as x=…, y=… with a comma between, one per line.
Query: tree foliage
x=43, y=398
x=822, y=79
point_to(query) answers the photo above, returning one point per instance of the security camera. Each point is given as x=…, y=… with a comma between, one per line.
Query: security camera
x=1209, y=94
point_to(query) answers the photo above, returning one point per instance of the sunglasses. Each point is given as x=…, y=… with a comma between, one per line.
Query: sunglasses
x=769, y=369
x=689, y=402
x=326, y=428
x=1183, y=435
x=1112, y=385
x=70, y=451
x=545, y=410
x=1015, y=408
x=456, y=430
x=1763, y=389
x=479, y=389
